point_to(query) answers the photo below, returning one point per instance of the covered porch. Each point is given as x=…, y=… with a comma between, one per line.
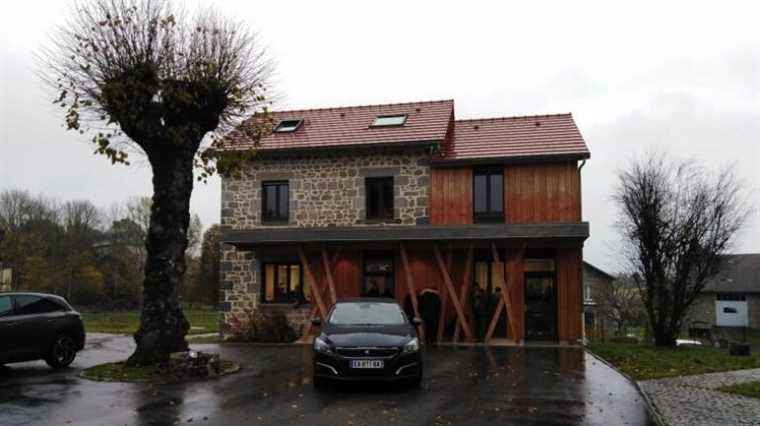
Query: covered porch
x=494, y=283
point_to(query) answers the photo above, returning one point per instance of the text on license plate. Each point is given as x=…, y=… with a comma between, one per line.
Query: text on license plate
x=367, y=363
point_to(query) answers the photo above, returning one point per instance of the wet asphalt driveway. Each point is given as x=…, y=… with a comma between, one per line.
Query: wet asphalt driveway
x=461, y=386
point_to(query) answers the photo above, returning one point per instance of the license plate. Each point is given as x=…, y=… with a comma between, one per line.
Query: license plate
x=367, y=363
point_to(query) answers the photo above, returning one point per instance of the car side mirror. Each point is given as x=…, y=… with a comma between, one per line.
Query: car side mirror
x=417, y=321
x=316, y=322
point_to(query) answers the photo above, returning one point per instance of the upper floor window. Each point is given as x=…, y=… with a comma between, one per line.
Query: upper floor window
x=488, y=195
x=287, y=126
x=389, y=120
x=379, y=195
x=275, y=201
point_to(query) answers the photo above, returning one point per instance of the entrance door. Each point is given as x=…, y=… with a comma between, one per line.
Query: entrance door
x=540, y=306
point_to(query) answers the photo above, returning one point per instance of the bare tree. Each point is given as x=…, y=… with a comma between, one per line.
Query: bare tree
x=676, y=220
x=620, y=302
x=139, y=72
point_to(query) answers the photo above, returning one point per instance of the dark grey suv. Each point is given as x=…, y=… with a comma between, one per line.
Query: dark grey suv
x=39, y=326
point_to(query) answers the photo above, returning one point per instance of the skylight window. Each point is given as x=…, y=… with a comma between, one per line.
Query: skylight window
x=287, y=126
x=389, y=120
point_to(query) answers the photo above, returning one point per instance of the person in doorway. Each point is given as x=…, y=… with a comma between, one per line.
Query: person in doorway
x=479, y=308
x=386, y=292
x=430, y=310
x=372, y=290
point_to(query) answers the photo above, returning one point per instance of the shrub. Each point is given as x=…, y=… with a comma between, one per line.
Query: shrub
x=256, y=326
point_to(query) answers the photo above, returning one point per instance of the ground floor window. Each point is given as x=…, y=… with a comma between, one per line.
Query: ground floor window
x=590, y=320
x=283, y=283
x=378, y=277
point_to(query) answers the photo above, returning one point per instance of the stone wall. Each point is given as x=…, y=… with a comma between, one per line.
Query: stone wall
x=325, y=189
x=703, y=309
x=328, y=190
x=238, y=286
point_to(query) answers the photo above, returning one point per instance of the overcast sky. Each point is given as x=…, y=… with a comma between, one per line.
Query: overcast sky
x=667, y=75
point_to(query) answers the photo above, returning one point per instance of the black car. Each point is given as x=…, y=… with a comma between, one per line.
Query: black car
x=39, y=326
x=367, y=339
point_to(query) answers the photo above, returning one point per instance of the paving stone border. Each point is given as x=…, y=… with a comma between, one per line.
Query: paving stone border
x=695, y=400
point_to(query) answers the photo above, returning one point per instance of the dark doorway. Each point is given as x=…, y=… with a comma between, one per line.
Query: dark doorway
x=378, y=276
x=540, y=306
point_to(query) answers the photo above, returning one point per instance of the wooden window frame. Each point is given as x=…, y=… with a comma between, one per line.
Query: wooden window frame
x=490, y=215
x=384, y=212
x=290, y=296
x=278, y=217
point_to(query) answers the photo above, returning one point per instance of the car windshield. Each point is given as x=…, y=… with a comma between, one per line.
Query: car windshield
x=367, y=313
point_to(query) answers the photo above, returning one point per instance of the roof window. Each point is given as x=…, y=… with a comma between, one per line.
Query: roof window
x=288, y=126
x=389, y=120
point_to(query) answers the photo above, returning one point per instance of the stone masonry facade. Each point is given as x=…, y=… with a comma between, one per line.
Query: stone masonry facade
x=325, y=189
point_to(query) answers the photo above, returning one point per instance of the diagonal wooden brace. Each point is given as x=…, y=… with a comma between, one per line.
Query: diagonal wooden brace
x=451, y=292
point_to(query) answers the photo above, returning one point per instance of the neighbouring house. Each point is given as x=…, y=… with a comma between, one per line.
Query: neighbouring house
x=597, y=285
x=732, y=297
x=403, y=199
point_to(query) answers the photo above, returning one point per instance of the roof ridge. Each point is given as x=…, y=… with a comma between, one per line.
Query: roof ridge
x=514, y=117
x=349, y=107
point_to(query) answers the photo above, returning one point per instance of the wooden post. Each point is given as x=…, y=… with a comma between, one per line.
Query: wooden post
x=410, y=286
x=312, y=283
x=466, y=280
x=452, y=293
x=328, y=275
x=506, y=299
x=444, y=298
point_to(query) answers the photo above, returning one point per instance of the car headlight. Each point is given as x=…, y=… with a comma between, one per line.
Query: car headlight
x=412, y=346
x=321, y=346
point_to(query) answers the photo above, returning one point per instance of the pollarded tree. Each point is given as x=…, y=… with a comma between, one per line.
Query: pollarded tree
x=139, y=74
x=676, y=219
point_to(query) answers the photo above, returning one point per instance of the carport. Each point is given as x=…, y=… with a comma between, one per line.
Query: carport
x=338, y=262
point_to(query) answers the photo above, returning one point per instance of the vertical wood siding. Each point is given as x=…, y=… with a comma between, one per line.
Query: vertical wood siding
x=569, y=297
x=542, y=193
x=451, y=195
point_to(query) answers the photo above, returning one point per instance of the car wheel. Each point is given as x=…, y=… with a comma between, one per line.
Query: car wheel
x=319, y=382
x=62, y=353
x=416, y=381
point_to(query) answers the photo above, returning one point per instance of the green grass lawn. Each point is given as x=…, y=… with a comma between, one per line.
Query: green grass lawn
x=644, y=362
x=750, y=389
x=126, y=322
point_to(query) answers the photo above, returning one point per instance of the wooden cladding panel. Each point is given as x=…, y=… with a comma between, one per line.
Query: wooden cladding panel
x=542, y=193
x=450, y=196
x=348, y=275
x=569, y=297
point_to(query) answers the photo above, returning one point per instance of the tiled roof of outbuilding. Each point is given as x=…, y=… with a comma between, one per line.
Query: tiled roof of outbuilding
x=739, y=273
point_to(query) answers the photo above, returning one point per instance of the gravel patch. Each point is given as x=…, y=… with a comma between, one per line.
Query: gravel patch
x=693, y=400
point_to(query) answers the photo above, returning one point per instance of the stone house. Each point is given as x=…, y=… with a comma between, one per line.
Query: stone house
x=399, y=198
x=732, y=297
x=596, y=284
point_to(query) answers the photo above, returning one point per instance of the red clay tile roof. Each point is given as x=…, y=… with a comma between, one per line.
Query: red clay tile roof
x=539, y=135
x=350, y=126
x=491, y=138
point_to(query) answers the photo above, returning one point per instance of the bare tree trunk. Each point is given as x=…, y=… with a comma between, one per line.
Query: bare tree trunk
x=162, y=324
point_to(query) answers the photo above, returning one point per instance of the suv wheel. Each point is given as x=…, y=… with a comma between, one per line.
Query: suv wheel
x=62, y=353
